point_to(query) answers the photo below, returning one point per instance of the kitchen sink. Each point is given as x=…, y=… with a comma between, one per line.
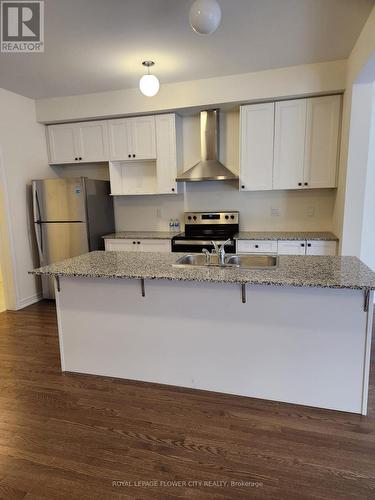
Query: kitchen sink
x=252, y=261
x=245, y=261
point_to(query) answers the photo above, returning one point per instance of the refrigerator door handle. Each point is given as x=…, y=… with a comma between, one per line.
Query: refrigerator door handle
x=39, y=237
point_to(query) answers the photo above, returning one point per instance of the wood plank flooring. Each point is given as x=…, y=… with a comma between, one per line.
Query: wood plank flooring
x=65, y=436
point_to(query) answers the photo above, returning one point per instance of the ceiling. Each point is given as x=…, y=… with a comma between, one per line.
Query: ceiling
x=98, y=45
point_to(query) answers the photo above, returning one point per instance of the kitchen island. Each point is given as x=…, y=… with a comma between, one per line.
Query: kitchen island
x=298, y=333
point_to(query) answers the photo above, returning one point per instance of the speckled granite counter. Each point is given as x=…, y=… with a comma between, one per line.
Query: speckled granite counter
x=141, y=235
x=300, y=271
x=286, y=235
x=242, y=235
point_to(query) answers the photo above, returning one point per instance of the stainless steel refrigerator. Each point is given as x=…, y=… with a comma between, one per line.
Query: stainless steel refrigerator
x=70, y=218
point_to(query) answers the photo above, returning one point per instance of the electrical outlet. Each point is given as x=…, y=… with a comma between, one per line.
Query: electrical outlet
x=310, y=211
x=275, y=212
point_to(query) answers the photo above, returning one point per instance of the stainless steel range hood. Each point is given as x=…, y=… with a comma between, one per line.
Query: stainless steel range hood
x=209, y=168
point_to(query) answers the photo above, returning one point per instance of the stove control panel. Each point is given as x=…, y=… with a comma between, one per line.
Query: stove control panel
x=211, y=218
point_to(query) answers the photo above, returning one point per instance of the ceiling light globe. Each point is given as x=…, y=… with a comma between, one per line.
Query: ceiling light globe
x=149, y=85
x=205, y=16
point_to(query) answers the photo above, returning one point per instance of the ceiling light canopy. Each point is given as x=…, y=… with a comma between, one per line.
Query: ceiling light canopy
x=205, y=16
x=149, y=84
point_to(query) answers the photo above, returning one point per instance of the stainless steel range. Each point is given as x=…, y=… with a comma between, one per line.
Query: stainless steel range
x=202, y=228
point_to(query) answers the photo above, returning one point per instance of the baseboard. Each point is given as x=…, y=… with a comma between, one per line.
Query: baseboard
x=28, y=301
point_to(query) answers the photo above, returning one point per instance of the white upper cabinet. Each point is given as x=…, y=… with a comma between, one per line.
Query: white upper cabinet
x=289, y=154
x=93, y=141
x=78, y=142
x=153, y=168
x=132, y=138
x=62, y=143
x=120, y=144
x=143, y=137
x=322, y=135
x=257, y=143
x=166, y=163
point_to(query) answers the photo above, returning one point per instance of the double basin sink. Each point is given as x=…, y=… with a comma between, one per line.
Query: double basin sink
x=249, y=261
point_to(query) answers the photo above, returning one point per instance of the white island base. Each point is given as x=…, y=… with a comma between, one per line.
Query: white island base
x=308, y=346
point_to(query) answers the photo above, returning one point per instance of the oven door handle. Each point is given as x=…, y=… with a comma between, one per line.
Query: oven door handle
x=198, y=242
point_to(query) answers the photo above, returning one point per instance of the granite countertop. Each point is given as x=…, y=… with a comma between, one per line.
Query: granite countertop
x=242, y=235
x=302, y=271
x=141, y=235
x=286, y=235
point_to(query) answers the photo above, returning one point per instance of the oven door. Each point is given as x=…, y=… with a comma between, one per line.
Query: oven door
x=196, y=245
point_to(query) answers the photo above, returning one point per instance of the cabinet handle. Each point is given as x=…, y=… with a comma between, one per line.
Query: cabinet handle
x=133, y=156
x=242, y=187
x=300, y=183
x=309, y=244
x=306, y=183
x=138, y=242
x=129, y=156
x=133, y=242
x=76, y=159
x=302, y=244
x=256, y=246
x=173, y=189
x=80, y=158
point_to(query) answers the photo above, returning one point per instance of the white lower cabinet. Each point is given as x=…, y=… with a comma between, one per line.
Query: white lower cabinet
x=137, y=245
x=321, y=247
x=257, y=246
x=288, y=247
x=155, y=245
x=291, y=247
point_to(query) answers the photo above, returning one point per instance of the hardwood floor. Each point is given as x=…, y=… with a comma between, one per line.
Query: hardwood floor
x=65, y=436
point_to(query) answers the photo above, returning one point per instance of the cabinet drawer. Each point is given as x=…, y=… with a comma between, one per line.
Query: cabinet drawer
x=155, y=245
x=256, y=246
x=321, y=248
x=291, y=247
x=119, y=245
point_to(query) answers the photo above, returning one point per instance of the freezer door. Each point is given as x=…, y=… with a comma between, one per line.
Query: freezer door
x=57, y=200
x=100, y=215
x=59, y=241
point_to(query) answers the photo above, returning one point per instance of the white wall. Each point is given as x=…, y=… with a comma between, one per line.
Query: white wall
x=357, y=162
x=368, y=224
x=283, y=82
x=358, y=68
x=23, y=158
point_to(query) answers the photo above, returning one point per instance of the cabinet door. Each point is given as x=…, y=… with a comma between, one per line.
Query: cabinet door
x=257, y=142
x=290, y=125
x=166, y=161
x=291, y=247
x=256, y=246
x=120, y=245
x=322, y=135
x=143, y=138
x=62, y=143
x=93, y=141
x=119, y=133
x=321, y=248
x=155, y=245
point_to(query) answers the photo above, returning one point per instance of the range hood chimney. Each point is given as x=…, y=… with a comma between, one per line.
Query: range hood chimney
x=209, y=168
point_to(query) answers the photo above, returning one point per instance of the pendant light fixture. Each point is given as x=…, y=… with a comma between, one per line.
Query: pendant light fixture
x=205, y=16
x=149, y=84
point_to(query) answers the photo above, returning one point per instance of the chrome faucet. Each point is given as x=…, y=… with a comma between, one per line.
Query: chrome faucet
x=220, y=251
x=207, y=254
